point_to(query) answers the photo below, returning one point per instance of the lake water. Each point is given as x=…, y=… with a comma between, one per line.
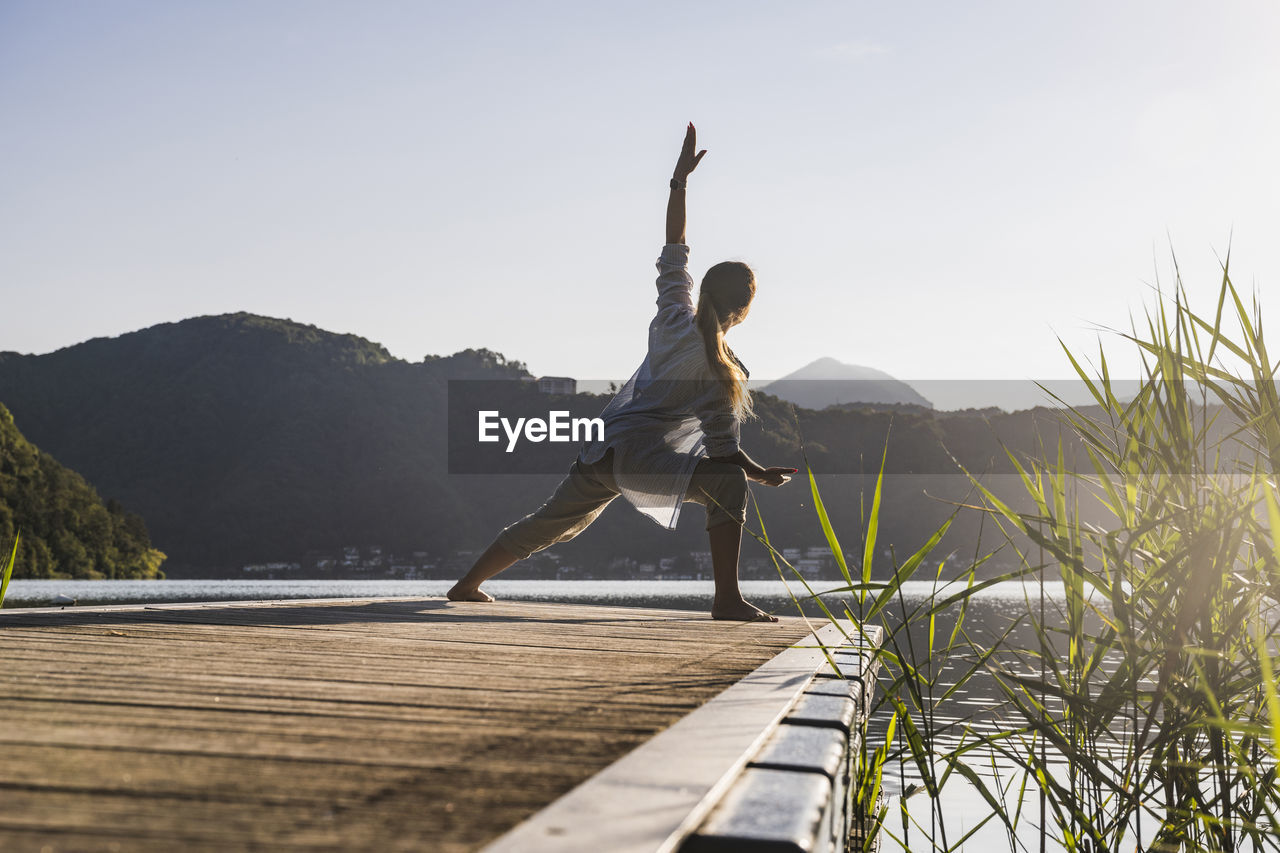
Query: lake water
x=680, y=595
x=991, y=610
x=774, y=596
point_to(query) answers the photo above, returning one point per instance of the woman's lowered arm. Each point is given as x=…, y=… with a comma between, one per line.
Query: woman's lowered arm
x=755, y=471
x=675, y=203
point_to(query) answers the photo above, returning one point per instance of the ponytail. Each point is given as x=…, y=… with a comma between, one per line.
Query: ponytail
x=727, y=290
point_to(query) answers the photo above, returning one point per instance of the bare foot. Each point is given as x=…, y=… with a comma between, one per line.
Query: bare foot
x=740, y=611
x=460, y=593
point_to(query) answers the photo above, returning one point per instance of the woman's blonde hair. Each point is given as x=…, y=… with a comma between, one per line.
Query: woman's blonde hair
x=727, y=291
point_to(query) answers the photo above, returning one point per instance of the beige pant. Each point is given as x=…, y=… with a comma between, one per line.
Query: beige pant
x=588, y=489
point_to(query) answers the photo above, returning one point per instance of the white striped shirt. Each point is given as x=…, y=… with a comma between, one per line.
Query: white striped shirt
x=673, y=411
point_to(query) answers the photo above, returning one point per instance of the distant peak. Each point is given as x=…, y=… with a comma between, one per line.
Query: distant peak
x=831, y=368
x=828, y=381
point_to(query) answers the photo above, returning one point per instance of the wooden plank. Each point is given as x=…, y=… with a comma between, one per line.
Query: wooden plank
x=363, y=724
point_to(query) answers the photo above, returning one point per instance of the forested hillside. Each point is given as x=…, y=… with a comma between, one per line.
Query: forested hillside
x=242, y=438
x=67, y=530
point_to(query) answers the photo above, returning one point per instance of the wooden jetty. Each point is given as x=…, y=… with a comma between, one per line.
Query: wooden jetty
x=388, y=724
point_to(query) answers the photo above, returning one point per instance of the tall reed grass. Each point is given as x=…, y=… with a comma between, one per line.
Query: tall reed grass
x=1144, y=712
x=8, y=568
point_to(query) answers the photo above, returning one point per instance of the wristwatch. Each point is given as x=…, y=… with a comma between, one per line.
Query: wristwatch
x=677, y=184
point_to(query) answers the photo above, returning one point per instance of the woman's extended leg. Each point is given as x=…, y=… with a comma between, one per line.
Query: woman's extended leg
x=722, y=489
x=578, y=501
x=494, y=559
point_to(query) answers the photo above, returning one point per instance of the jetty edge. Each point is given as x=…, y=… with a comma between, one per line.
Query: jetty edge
x=767, y=764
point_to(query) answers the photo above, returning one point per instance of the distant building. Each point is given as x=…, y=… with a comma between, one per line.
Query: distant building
x=557, y=385
x=809, y=568
x=271, y=569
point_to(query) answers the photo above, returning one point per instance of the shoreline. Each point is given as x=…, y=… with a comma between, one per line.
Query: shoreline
x=674, y=594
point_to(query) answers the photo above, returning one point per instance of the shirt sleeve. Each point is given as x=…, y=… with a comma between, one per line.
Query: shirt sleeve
x=675, y=285
x=721, y=430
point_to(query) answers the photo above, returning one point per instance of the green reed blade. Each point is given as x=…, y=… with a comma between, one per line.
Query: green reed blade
x=832, y=542
x=908, y=568
x=873, y=520
x=1270, y=690
x=8, y=569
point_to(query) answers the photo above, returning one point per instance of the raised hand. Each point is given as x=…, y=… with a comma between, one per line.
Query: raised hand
x=688, y=160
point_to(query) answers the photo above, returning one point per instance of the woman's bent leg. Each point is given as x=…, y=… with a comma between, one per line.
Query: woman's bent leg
x=722, y=489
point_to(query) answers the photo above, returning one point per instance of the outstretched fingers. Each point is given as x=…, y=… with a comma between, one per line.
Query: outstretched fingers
x=688, y=160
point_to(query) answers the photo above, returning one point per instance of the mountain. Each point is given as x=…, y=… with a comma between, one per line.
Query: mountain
x=245, y=439
x=67, y=530
x=827, y=382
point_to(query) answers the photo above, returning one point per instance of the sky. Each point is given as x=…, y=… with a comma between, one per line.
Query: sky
x=938, y=190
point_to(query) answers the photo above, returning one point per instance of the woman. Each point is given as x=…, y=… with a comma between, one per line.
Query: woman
x=671, y=433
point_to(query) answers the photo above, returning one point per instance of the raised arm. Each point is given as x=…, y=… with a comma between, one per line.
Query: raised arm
x=675, y=204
